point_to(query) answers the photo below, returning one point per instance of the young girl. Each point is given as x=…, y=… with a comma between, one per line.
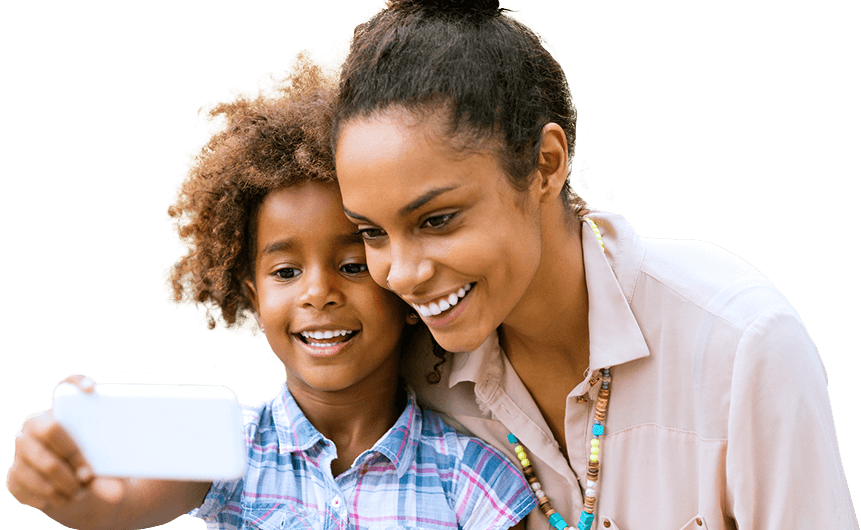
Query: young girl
x=644, y=384
x=344, y=445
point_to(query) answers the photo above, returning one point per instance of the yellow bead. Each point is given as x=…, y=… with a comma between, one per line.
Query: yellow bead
x=519, y=449
x=524, y=462
x=593, y=458
x=595, y=442
x=594, y=450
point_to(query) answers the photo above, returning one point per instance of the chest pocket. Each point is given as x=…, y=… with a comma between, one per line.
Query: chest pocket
x=278, y=517
x=696, y=523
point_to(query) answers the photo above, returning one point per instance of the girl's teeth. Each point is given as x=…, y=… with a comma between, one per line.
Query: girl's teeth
x=461, y=292
x=329, y=334
x=434, y=309
x=452, y=299
x=444, y=305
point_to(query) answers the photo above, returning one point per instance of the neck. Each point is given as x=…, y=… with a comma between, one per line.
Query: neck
x=550, y=324
x=354, y=418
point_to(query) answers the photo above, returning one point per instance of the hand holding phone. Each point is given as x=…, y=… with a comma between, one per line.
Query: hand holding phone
x=180, y=432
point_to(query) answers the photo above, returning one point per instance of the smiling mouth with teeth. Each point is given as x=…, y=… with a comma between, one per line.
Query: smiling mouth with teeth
x=442, y=304
x=322, y=339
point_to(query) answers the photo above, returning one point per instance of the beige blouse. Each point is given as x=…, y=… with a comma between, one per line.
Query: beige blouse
x=719, y=415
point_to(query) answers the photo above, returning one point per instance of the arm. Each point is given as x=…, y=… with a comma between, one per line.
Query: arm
x=783, y=465
x=50, y=474
x=125, y=504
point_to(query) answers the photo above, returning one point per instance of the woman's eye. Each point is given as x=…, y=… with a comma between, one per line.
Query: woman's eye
x=354, y=268
x=287, y=273
x=438, y=221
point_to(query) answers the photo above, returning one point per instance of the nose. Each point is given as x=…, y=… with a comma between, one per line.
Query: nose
x=408, y=269
x=320, y=288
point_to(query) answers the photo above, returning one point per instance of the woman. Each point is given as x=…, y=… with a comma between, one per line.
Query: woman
x=453, y=137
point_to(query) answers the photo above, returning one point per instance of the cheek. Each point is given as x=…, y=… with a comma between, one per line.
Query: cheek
x=378, y=265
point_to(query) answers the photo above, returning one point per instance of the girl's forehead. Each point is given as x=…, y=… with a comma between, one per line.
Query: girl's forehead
x=310, y=211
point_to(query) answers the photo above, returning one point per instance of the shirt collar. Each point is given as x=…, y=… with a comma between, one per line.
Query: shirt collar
x=296, y=433
x=400, y=442
x=611, y=277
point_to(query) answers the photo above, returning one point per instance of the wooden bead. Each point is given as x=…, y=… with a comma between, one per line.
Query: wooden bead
x=589, y=504
x=544, y=504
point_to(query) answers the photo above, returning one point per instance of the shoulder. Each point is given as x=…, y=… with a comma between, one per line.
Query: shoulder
x=439, y=441
x=259, y=422
x=711, y=279
x=485, y=488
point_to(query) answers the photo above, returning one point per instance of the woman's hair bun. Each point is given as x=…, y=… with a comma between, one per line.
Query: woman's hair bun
x=449, y=6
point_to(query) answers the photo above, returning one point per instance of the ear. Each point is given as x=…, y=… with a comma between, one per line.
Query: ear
x=552, y=169
x=251, y=291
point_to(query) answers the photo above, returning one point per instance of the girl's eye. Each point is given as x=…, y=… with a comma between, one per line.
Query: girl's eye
x=369, y=234
x=438, y=221
x=287, y=273
x=354, y=268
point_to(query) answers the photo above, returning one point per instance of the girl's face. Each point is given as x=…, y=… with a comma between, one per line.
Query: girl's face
x=443, y=229
x=323, y=315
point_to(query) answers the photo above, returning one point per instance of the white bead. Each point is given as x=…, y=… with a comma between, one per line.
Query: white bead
x=590, y=492
x=536, y=485
x=590, y=483
x=539, y=493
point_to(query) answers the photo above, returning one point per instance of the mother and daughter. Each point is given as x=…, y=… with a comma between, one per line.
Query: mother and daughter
x=634, y=383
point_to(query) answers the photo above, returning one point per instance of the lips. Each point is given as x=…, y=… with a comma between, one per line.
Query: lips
x=442, y=304
x=326, y=338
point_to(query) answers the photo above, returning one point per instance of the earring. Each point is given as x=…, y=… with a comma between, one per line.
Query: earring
x=412, y=317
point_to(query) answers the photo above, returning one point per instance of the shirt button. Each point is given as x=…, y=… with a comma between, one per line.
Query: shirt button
x=336, y=502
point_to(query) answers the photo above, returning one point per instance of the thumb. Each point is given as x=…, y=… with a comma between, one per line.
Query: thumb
x=110, y=490
x=84, y=383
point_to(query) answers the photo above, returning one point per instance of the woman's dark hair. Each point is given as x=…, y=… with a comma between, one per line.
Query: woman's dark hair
x=499, y=85
x=487, y=70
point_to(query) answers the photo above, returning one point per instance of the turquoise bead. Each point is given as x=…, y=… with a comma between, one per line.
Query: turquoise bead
x=556, y=521
x=512, y=438
x=585, y=520
x=597, y=429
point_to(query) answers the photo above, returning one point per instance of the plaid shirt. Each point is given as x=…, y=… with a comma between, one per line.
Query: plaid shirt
x=420, y=474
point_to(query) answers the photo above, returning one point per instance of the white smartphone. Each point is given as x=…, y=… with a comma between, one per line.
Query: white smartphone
x=180, y=432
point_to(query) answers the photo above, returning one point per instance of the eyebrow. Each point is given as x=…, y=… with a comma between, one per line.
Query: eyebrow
x=286, y=245
x=411, y=207
x=279, y=246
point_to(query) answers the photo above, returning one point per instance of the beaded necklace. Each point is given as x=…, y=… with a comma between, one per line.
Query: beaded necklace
x=588, y=514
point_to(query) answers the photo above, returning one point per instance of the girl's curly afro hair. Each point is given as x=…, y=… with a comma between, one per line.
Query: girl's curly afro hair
x=268, y=143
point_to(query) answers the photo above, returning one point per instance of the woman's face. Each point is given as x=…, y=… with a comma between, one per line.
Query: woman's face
x=443, y=229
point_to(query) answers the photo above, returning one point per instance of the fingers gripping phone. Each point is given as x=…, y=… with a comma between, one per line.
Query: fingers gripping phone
x=181, y=432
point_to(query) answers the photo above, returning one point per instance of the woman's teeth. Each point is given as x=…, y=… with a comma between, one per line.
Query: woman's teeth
x=443, y=304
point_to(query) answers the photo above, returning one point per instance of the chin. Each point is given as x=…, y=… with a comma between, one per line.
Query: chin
x=457, y=343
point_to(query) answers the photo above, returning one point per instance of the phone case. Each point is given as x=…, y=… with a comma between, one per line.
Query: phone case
x=182, y=432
